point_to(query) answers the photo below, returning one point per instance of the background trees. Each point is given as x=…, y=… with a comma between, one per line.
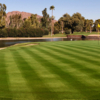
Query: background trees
x=72, y=22
x=96, y=25
x=90, y=25
x=2, y=15
x=86, y=25
x=15, y=21
x=34, y=21
x=45, y=20
x=76, y=22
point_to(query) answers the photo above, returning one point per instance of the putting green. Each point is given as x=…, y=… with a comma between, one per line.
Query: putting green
x=66, y=70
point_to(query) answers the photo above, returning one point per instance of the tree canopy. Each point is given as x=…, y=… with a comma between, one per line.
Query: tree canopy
x=45, y=20
x=2, y=15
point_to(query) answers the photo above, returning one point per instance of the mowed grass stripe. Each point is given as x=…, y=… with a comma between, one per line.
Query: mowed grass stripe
x=62, y=89
x=95, y=81
x=18, y=84
x=85, y=55
x=86, y=50
x=88, y=44
x=39, y=90
x=79, y=59
x=92, y=50
x=5, y=93
x=86, y=76
x=53, y=81
x=66, y=76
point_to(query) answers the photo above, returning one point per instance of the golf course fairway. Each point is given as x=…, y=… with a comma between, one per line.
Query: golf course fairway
x=64, y=70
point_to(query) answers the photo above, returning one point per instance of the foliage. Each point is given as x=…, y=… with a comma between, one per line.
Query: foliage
x=22, y=32
x=46, y=32
x=57, y=26
x=2, y=15
x=15, y=21
x=32, y=21
x=52, y=7
x=56, y=31
x=71, y=22
x=86, y=25
x=26, y=24
x=67, y=31
x=90, y=24
x=45, y=20
x=96, y=24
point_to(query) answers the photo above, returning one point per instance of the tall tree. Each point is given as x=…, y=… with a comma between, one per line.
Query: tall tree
x=90, y=24
x=2, y=15
x=31, y=21
x=34, y=21
x=45, y=20
x=52, y=8
x=26, y=24
x=57, y=26
x=15, y=21
x=71, y=22
x=96, y=24
x=62, y=23
x=86, y=25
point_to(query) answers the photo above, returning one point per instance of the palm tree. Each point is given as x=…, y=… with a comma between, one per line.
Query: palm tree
x=52, y=8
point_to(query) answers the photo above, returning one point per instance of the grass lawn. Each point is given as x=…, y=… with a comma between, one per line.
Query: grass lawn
x=56, y=35
x=84, y=33
x=65, y=70
x=75, y=33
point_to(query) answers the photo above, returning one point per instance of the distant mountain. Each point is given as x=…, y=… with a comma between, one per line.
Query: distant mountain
x=23, y=14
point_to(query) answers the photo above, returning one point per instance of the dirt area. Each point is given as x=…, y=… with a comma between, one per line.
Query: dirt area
x=23, y=45
x=2, y=48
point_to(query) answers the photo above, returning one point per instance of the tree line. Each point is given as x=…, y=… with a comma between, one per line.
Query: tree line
x=76, y=22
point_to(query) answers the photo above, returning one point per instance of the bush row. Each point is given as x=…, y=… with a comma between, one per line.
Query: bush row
x=23, y=32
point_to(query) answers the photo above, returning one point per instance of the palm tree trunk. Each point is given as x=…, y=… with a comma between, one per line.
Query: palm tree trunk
x=62, y=27
x=51, y=27
x=90, y=29
x=52, y=13
x=52, y=22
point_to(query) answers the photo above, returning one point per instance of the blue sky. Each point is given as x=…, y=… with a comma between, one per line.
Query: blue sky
x=90, y=9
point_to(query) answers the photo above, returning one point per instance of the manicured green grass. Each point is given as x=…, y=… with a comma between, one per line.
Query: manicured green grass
x=65, y=70
x=56, y=35
x=84, y=33
x=75, y=33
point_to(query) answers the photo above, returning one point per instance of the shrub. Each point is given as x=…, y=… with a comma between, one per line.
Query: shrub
x=3, y=33
x=46, y=32
x=56, y=32
x=67, y=32
x=22, y=32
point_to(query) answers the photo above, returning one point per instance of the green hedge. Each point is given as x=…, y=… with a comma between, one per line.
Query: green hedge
x=22, y=32
x=46, y=32
x=67, y=31
x=56, y=32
